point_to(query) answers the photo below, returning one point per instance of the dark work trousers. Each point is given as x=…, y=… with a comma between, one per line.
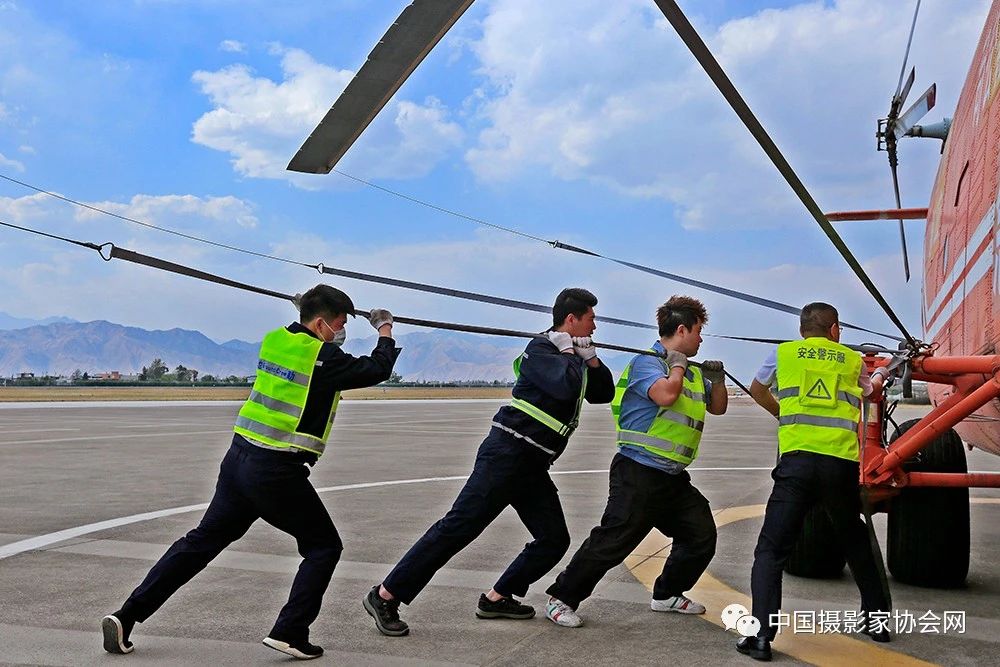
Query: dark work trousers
x=642, y=498
x=801, y=480
x=510, y=472
x=254, y=483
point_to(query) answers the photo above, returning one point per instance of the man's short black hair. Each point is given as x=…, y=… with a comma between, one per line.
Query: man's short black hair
x=816, y=319
x=572, y=300
x=324, y=301
x=679, y=310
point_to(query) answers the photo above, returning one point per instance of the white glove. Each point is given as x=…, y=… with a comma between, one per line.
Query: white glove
x=882, y=372
x=584, y=348
x=379, y=317
x=677, y=359
x=713, y=371
x=561, y=339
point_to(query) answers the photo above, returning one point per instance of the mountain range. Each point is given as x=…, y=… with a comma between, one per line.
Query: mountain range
x=60, y=346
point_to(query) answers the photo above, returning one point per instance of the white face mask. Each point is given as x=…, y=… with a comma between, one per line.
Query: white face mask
x=339, y=337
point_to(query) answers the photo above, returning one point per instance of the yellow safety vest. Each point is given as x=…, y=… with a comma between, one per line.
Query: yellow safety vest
x=272, y=413
x=676, y=430
x=819, y=397
x=545, y=418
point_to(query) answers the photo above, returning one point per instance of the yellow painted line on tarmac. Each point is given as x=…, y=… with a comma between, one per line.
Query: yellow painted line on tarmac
x=646, y=563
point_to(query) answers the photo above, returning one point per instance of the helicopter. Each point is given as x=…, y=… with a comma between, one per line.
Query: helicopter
x=919, y=474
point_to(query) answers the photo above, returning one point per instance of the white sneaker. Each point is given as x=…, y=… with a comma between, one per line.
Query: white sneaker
x=562, y=614
x=678, y=603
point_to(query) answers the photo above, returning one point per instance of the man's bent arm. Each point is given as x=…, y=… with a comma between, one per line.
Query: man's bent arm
x=665, y=391
x=762, y=395
x=718, y=401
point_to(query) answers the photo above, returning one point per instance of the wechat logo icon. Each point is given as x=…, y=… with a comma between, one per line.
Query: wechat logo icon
x=737, y=617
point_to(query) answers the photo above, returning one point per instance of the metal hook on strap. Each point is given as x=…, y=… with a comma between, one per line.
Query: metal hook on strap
x=111, y=249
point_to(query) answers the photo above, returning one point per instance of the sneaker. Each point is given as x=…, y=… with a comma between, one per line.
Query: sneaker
x=300, y=648
x=757, y=648
x=562, y=614
x=506, y=607
x=116, y=628
x=385, y=613
x=678, y=603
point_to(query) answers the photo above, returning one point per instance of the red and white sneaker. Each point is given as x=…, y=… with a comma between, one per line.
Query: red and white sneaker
x=562, y=614
x=679, y=604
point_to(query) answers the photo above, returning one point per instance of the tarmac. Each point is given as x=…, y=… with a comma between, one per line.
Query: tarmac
x=92, y=494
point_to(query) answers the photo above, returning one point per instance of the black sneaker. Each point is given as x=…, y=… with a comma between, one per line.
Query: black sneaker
x=385, y=613
x=300, y=648
x=503, y=608
x=116, y=628
x=757, y=648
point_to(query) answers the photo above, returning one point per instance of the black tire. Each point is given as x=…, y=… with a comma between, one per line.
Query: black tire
x=817, y=554
x=929, y=541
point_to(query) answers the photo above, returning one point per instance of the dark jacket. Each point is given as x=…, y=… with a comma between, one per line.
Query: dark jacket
x=550, y=381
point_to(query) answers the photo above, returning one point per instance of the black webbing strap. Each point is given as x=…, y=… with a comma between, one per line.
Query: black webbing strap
x=462, y=294
x=163, y=265
x=172, y=267
x=718, y=289
x=718, y=76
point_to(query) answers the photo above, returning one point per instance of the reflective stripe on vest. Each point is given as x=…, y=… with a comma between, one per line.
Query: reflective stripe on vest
x=272, y=413
x=819, y=398
x=841, y=395
x=545, y=418
x=675, y=432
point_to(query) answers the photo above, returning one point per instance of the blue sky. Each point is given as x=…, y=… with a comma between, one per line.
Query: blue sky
x=580, y=120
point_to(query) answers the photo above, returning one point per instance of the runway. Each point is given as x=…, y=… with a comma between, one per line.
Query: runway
x=93, y=494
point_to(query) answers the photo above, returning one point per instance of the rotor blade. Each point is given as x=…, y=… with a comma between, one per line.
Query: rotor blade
x=906, y=55
x=405, y=44
x=916, y=111
x=714, y=70
x=906, y=89
x=891, y=214
x=902, y=231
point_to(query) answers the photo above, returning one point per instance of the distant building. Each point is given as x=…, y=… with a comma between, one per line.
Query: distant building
x=111, y=375
x=25, y=376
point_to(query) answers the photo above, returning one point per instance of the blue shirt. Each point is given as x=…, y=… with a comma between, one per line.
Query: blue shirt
x=638, y=410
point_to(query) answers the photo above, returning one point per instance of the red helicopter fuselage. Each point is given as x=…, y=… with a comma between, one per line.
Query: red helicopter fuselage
x=960, y=286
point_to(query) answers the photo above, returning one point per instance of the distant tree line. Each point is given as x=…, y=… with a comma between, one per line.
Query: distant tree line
x=157, y=372
x=396, y=380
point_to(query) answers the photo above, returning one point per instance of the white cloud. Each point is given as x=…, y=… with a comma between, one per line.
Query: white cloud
x=8, y=162
x=607, y=93
x=232, y=46
x=29, y=150
x=27, y=208
x=164, y=209
x=261, y=123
